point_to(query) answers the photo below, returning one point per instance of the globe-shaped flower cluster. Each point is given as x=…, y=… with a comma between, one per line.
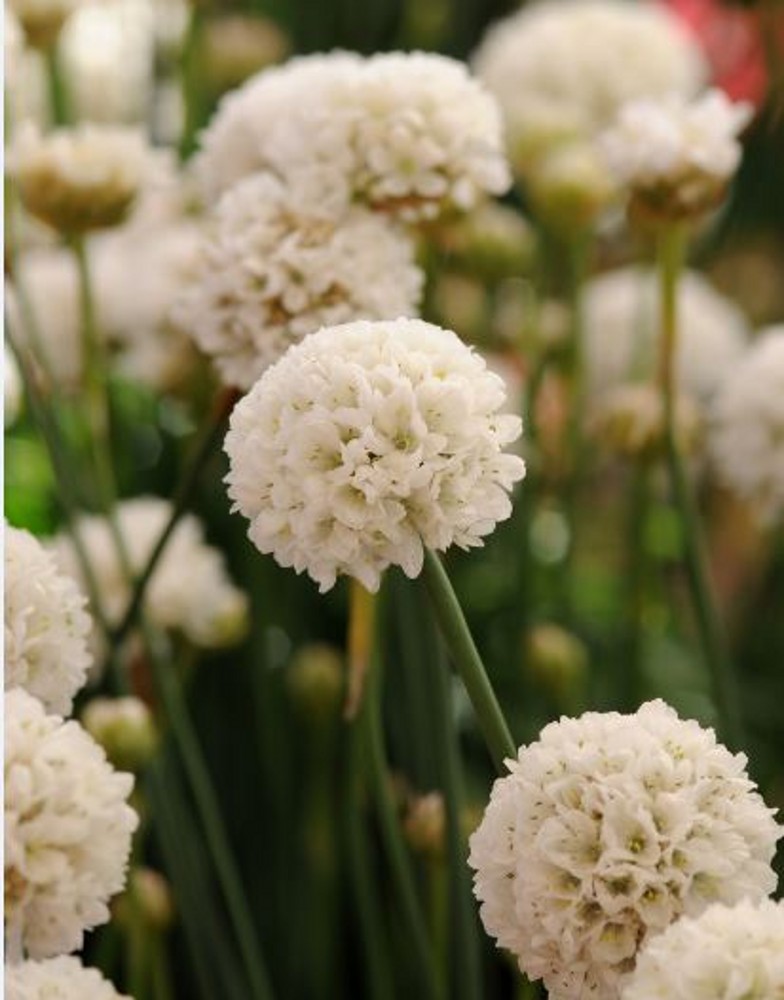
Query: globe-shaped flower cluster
x=46, y=625
x=273, y=270
x=366, y=443
x=607, y=829
x=63, y=978
x=727, y=953
x=68, y=830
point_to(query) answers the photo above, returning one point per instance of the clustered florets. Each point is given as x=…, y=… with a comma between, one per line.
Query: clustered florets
x=190, y=590
x=410, y=134
x=727, y=953
x=607, y=829
x=367, y=442
x=274, y=270
x=68, y=830
x=63, y=978
x=46, y=624
x=746, y=439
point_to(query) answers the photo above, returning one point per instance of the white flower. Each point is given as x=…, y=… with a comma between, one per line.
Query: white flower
x=408, y=133
x=746, y=439
x=621, y=332
x=63, y=978
x=727, y=953
x=46, y=625
x=271, y=272
x=675, y=156
x=365, y=443
x=81, y=178
x=561, y=69
x=67, y=830
x=190, y=590
x=607, y=829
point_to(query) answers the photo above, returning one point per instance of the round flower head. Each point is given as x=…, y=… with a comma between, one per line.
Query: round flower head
x=365, y=443
x=607, y=829
x=46, y=625
x=407, y=133
x=621, y=332
x=561, y=69
x=272, y=272
x=63, y=978
x=675, y=157
x=43, y=19
x=124, y=727
x=67, y=830
x=727, y=953
x=78, y=179
x=746, y=438
x=190, y=590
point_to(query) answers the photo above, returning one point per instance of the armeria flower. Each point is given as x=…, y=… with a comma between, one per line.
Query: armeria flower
x=607, y=829
x=190, y=590
x=274, y=270
x=621, y=332
x=746, y=438
x=67, y=830
x=63, y=978
x=727, y=953
x=367, y=442
x=82, y=178
x=411, y=134
x=675, y=157
x=561, y=69
x=46, y=625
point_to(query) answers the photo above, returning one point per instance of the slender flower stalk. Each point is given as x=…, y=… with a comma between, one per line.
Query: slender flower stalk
x=467, y=660
x=392, y=837
x=712, y=638
x=58, y=94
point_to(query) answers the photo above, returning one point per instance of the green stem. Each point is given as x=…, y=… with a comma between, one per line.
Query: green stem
x=714, y=646
x=191, y=84
x=162, y=986
x=372, y=933
x=630, y=679
x=208, y=437
x=136, y=949
x=209, y=813
x=58, y=96
x=391, y=835
x=467, y=660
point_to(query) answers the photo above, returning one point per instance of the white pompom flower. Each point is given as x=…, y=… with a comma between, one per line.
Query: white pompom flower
x=561, y=70
x=607, y=829
x=68, y=830
x=676, y=157
x=410, y=134
x=62, y=978
x=727, y=953
x=273, y=270
x=190, y=590
x=46, y=625
x=368, y=442
x=621, y=333
x=746, y=431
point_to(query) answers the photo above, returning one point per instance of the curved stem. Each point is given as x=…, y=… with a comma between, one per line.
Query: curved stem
x=468, y=662
x=711, y=633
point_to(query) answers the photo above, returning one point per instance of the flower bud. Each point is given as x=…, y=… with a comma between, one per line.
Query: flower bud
x=557, y=659
x=79, y=179
x=316, y=681
x=425, y=825
x=571, y=187
x=235, y=46
x=125, y=728
x=492, y=242
x=629, y=422
x=42, y=19
x=148, y=893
